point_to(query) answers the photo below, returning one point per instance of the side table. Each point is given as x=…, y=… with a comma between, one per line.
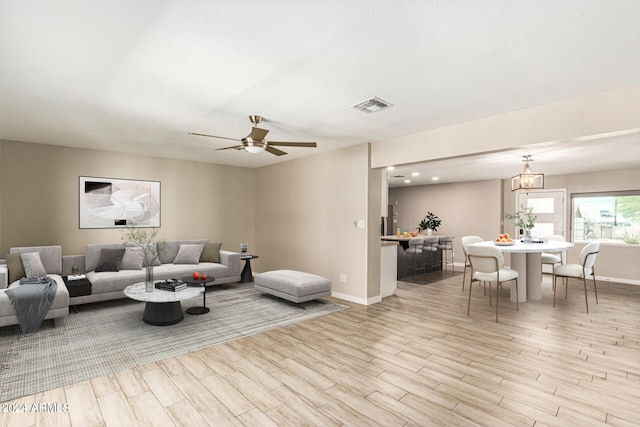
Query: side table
x=77, y=287
x=191, y=281
x=247, y=274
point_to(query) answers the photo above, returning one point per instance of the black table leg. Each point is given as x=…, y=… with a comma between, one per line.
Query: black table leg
x=247, y=274
x=200, y=310
x=162, y=313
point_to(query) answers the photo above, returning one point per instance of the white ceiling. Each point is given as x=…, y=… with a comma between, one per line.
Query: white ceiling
x=137, y=76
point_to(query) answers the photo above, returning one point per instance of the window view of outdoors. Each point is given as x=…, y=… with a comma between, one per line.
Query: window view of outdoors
x=609, y=218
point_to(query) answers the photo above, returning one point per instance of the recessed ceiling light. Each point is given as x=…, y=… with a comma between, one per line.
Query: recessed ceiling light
x=407, y=181
x=435, y=178
x=415, y=174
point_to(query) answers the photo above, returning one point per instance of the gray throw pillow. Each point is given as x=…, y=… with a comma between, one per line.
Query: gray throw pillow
x=211, y=252
x=16, y=270
x=188, y=254
x=132, y=259
x=110, y=260
x=32, y=265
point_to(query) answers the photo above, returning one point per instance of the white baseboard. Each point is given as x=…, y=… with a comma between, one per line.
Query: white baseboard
x=351, y=298
x=374, y=300
x=618, y=280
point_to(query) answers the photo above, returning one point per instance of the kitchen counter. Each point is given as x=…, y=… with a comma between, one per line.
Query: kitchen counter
x=402, y=260
x=388, y=268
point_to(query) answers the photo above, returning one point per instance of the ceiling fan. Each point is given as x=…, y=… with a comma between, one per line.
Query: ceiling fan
x=256, y=141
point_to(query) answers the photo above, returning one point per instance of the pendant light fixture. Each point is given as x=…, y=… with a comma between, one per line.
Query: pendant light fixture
x=527, y=179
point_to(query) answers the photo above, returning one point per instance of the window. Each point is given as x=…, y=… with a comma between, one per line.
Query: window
x=612, y=217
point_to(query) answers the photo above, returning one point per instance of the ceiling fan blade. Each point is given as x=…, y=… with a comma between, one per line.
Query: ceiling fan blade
x=293, y=144
x=213, y=136
x=233, y=147
x=258, y=134
x=275, y=151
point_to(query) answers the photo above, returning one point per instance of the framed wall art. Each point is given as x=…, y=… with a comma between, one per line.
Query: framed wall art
x=118, y=203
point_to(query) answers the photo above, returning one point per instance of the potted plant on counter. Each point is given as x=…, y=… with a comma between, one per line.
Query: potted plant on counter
x=430, y=223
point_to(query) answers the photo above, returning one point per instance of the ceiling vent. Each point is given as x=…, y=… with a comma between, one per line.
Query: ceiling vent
x=372, y=105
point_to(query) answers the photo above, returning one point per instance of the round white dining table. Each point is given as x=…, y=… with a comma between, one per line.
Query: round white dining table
x=526, y=260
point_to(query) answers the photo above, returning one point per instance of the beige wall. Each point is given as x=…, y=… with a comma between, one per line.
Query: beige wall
x=305, y=216
x=374, y=222
x=619, y=262
x=39, y=193
x=465, y=208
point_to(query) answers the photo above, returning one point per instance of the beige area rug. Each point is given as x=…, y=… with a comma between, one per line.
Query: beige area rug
x=108, y=337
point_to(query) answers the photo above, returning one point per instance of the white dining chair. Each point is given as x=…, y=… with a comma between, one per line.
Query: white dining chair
x=552, y=258
x=487, y=265
x=466, y=241
x=578, y=271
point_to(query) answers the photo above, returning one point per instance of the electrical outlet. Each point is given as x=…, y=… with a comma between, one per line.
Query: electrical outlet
x=343, y=278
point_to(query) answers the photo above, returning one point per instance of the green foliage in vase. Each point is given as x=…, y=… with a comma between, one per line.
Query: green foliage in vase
x=524, y=218
x=430, y=221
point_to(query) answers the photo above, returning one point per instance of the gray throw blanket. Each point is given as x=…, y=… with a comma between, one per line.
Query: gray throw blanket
x=32, y=301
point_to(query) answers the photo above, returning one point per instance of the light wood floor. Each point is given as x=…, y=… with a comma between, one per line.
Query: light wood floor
x=415, y=359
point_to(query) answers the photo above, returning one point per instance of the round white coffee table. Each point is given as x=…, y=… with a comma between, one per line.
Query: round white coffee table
x=163, y=307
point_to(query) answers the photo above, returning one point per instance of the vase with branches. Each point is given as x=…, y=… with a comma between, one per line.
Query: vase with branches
x=524, y=219
x=143, y=239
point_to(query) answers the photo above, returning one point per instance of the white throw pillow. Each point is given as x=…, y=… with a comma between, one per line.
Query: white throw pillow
x=189, y=254
x=32, y=265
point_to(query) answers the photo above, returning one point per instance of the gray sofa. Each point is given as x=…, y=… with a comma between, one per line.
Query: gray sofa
x=51, y=257
x=110, y=285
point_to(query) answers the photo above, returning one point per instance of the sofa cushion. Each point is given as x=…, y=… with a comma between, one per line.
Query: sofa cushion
x=93, y=251
x=60, y=300
x=211, y=252
x=108, y=281
x=110, y=259
x=16, y=270
x=132, y=259
x=178, y=271
x=172, y=247
x=32, y=265
x=189, y=254
x=51, y=256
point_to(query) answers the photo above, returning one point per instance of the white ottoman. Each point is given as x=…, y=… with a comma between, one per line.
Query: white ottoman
x=294, y=286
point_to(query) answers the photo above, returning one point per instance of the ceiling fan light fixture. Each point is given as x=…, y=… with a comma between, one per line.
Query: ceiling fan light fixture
x=256, y=141
x=527, y=179
x=254, y=147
